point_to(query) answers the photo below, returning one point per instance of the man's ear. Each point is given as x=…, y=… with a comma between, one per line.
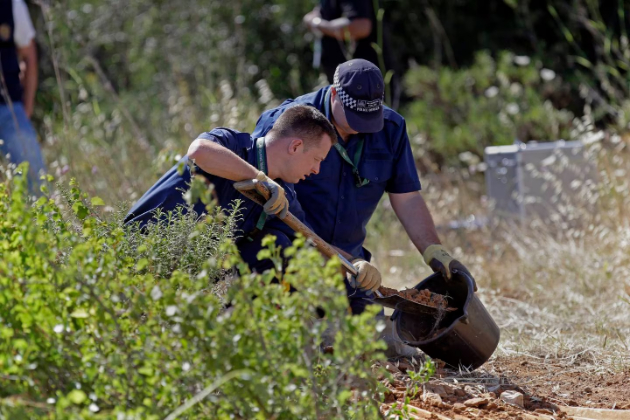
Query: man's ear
x=295, y=146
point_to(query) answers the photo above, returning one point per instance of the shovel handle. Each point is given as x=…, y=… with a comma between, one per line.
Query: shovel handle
x=258, y=192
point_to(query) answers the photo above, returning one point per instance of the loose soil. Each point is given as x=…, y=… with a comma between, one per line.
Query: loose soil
x=547, y=386
x=424, y=297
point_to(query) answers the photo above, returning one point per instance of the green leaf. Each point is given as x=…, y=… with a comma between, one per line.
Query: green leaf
x=80, y=210
x=97, y=201
x=142, y=264
x=79, y=313
x=146, y=371
x=77, y=396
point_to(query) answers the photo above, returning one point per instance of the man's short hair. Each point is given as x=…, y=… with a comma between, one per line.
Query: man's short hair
x=303, y=122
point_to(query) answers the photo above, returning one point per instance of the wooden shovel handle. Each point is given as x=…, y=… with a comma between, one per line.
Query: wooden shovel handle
x=259, y=193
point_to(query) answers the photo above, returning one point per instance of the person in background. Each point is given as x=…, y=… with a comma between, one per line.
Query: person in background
x=18, y=139
x=347, y=29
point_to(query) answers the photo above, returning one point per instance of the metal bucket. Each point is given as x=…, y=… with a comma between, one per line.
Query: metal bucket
x=466, y=337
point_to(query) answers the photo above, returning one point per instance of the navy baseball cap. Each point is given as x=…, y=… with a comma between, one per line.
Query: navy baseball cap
x=361, y=89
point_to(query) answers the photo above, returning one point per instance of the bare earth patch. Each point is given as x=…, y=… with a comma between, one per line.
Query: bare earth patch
x=549, y=388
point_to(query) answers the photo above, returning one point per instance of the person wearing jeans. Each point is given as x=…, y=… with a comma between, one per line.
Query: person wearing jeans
x=18, y=140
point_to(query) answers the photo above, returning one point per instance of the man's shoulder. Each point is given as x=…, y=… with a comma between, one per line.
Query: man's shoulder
x=228, y=135
x=315, y=98
x=392, y=117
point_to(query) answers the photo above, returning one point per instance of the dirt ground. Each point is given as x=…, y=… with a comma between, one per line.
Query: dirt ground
x=549, y=388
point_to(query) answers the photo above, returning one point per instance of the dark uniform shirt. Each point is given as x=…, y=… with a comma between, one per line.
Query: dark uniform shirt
x=167, y=193
x=8, y=54
x=335, y=207
x=334, y=51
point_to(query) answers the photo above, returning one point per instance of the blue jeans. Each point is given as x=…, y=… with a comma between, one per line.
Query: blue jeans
x=19, y=140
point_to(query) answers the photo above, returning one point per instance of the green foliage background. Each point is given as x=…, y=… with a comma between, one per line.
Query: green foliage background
x=128, y=84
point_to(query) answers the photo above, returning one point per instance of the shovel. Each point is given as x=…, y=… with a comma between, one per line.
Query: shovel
x=259, y=193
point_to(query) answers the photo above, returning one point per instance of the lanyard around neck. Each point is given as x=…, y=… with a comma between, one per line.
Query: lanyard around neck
x=261, y=163
x=359, y=181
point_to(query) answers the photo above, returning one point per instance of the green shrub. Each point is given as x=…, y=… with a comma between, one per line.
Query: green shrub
x=493, y=102
x=99, y=322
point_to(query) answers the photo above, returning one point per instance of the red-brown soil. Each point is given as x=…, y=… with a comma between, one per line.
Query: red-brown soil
x=549, y=388
x=424, y=297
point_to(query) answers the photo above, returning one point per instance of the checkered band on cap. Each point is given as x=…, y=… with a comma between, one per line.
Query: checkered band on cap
x=360, y=105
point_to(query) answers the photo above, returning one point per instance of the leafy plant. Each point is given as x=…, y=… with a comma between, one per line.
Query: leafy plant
x=493, y=102
x=101, y=322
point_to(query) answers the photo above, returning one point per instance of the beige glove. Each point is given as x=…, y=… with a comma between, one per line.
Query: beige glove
x=277, y=203
x=368, y=277
x=438, y=258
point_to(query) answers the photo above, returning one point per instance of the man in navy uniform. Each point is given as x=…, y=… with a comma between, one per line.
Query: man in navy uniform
x=290, y=151
x=372, y=156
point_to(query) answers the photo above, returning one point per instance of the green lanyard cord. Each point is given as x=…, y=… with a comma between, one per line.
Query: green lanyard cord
x=357, y=157
x=261, y=161
x=359, y=181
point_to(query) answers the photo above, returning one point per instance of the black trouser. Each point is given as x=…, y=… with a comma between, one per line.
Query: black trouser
x=249, y=248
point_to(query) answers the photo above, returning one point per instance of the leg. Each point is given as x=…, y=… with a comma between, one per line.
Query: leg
x=249, y=249
x=19, y=141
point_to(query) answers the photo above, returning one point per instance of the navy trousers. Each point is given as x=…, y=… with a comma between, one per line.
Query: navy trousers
x=249, y=248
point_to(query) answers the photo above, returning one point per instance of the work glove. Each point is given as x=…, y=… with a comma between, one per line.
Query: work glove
x=368, y=277
x=440, y=260
x=277, y=203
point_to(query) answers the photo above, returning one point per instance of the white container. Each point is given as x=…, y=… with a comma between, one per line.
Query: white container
x=538, y=179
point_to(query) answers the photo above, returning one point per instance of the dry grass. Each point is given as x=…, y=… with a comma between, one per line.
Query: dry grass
x=558, y=290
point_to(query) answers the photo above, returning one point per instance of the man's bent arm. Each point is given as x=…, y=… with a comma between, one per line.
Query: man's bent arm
x=217, y=160
x=341, y=28
x=28, y=55
x=415, y=217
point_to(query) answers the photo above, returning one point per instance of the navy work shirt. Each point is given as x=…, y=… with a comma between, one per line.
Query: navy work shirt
x=335, y=207
x=167, y=193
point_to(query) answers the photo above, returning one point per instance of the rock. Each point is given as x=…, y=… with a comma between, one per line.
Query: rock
x=459, y=392
x=459, y=407
x=512, y=397
x=588, y=390
x=389, y=397
x=491, y=405
x=391, y=368
x=471, y=391
x=433, y=399
x=543, y=411
x=476, y=402
x=404, y=366
x=437, y=389
x=448, y=389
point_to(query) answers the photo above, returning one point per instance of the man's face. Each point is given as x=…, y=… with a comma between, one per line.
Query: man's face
x=303, y=163
x=340, y=121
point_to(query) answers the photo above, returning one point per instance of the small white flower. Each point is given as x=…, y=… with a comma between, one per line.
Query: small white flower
x=492, y=91
x=186, y=367
x=522, y=60
x=156, y=293
x=51, y=401
x=547, y=74
x=512, y=108
x=93, y=408
x=171, y=310
x=58, y=328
